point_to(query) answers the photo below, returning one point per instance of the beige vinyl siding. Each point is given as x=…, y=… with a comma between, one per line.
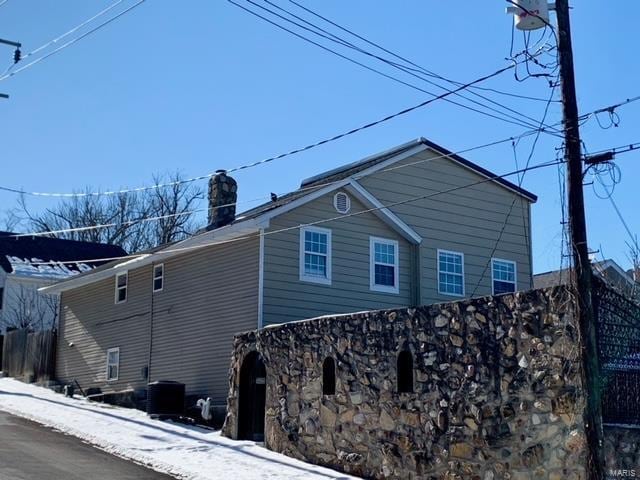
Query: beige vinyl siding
x=467, y=220
x=93, y=323
x=208, y=296
x=287, y=298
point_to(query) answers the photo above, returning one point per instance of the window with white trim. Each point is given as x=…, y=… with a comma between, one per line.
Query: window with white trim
x=122, y=280
x=450, y=273
x=383, y=265
x=158, y=277
x=503, y=276
x=315, y=255
x=113, y=363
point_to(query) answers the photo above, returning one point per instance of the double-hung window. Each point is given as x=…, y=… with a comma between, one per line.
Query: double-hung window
x=113, y=364
x=315, y=255
x=122, y=280
x=383, y=265
x=503, y=276
x=158, y=277
x=450, y=273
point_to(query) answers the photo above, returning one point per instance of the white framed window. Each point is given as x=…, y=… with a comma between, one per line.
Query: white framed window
x=342, y=202
x=158, y=277
x=315, y=255
x=383, y=265
x=113, y=364
x=450, y=273
x=503, y=276
x=122, y=281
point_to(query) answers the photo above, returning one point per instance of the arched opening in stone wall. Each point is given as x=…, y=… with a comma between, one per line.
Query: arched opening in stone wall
x=329, y=376
x=405, y=372
x=252, y=393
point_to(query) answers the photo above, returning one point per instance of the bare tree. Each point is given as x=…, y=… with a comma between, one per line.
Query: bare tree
x=28, y=309
x=134, y=221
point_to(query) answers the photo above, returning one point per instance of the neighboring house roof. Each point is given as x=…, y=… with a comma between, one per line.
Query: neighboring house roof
x=51, y=258
x=560, y=277
x=257, y=218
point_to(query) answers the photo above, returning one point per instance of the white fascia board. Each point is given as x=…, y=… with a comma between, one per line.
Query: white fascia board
x=383, y=213
x=221, y=235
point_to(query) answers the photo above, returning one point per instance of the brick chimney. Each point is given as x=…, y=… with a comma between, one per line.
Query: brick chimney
x=223, y=190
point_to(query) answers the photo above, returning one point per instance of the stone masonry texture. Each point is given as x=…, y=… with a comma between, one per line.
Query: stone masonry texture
x=497, y=391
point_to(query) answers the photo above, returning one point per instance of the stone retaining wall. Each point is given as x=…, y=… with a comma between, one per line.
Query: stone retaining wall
x=497, y=390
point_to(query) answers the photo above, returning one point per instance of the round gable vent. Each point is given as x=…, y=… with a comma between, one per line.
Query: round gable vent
x=342, y=202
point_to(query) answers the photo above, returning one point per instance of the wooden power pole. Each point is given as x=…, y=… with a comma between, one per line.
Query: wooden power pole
x=578, y=234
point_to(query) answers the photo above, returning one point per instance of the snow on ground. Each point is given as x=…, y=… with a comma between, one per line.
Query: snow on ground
x=183, y=451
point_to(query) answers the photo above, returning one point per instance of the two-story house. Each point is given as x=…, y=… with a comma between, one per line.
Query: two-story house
x=416, y=224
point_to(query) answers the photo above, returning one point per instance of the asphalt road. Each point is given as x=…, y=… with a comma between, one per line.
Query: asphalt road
x=29, y=451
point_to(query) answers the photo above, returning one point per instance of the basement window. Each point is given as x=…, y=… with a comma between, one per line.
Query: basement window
x=405, y=372
x=122, y=280
x=329, y=376
x=503, y=276
x=158, y=277
x=113, y=364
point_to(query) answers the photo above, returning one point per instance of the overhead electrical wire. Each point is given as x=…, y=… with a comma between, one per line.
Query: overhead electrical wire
x=404, y=59
x=72, y=41
x=405, y=69
x=273, y=158
x=322, y=221
x=367, y=67
x=266, y=160
x=520, y=180
x=303, y=189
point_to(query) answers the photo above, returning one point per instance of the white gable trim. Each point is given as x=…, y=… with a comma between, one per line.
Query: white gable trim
x=383, y=213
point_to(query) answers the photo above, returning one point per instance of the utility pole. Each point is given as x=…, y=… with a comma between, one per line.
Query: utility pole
x=578, y=234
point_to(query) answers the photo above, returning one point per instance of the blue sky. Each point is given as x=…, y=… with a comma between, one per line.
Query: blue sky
x=200, y=85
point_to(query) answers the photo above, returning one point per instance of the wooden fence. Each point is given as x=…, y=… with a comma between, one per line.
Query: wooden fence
x=30, y=355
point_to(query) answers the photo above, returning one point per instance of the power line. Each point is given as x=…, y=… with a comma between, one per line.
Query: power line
x=300, y=190
x=271, y=159
x=520, y=180
x=323, y=221
x=349, y=59
x=400, y=57
x=71, y=42
x=410, y=71
x=266, y=160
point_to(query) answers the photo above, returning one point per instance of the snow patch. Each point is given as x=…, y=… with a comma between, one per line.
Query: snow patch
x=185, y=452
